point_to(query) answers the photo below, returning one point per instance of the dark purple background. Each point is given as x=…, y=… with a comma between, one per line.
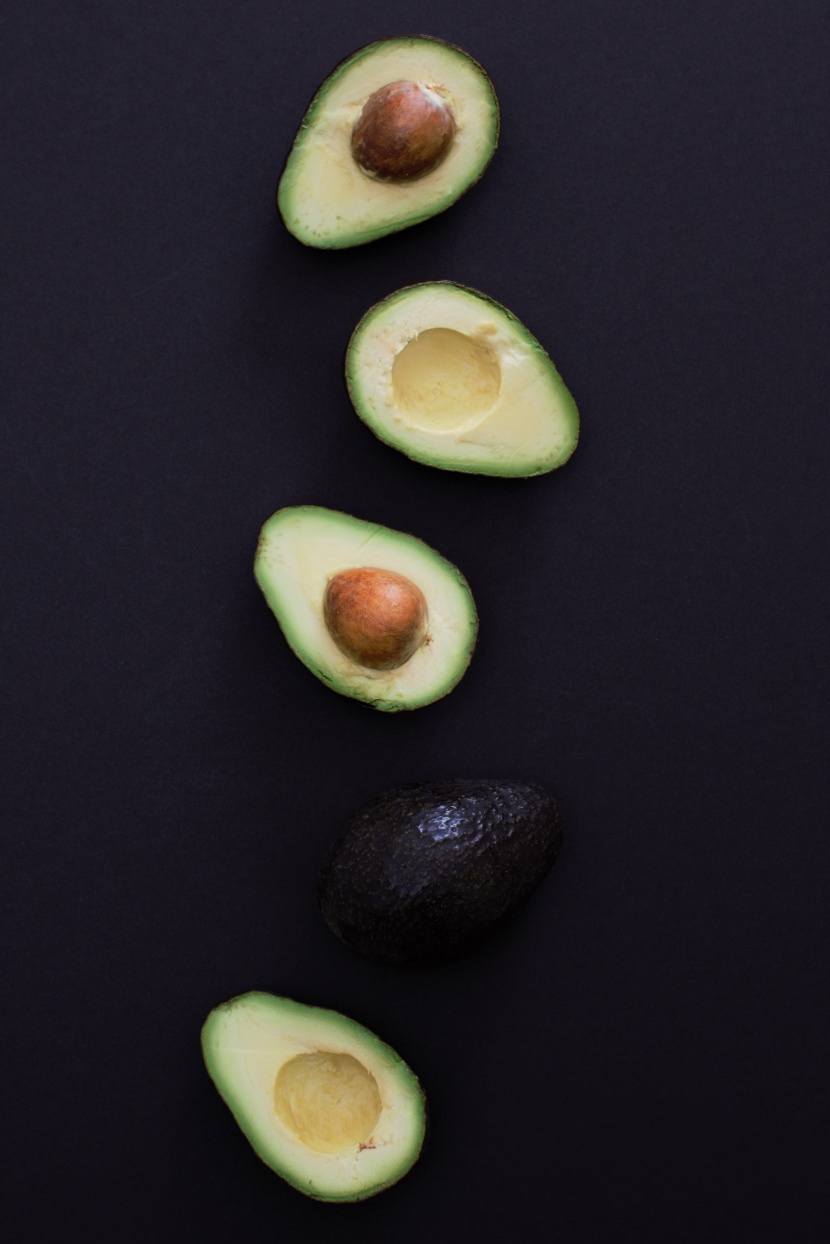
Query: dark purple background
x=643, y=1057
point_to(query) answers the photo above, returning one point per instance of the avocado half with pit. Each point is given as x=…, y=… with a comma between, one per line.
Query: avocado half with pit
x=322, y=1100
x=376, y=614
x=394, y=135
x=453, y=379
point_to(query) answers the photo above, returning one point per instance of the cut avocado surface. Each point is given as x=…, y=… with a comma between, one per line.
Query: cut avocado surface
x=339, y=187
x=323, y=1101
x=307, y=552
x=453, y=379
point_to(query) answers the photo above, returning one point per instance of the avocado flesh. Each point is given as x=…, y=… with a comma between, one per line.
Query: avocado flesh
x=326, y=199
x=427, y=872
x=322, y=1100
x=454, y=380
x=302, y=547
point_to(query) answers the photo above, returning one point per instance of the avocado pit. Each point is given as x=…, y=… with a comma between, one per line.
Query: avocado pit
x=376, y=617
x=404, y=131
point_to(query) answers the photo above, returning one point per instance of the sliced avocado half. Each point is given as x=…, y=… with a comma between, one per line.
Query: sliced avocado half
x=376, y=614
x=323, y=1101
x=363, y=165
x=453, y=379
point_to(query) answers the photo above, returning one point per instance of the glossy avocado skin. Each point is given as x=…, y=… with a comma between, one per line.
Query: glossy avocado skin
x=425, y=873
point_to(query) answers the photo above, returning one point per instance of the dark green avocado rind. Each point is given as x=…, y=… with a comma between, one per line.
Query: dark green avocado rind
x=393, y=1061
x=417, y=217
x=428, y=872
x=424, y=456
x=463, y=656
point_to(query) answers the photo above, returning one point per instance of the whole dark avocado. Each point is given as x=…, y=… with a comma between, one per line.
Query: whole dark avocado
x=425, y=873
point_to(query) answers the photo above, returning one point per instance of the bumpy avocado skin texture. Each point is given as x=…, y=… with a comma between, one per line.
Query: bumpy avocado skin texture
x=427, y=872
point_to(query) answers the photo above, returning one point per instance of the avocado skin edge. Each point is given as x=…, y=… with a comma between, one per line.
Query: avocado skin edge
x=426, y=873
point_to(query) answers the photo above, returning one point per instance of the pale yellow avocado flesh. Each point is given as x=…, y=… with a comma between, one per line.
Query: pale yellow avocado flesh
x=328, y=1101
x=442, y=380
x=324, y=1102
x=453, y=379
x=327, y=200
x=302, y=547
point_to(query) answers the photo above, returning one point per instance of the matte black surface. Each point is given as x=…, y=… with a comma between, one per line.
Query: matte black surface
x=426, y=873
x=643, y=1056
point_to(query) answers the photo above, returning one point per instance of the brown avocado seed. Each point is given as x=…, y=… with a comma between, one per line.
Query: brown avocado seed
x=376, y=617
x=404, y=131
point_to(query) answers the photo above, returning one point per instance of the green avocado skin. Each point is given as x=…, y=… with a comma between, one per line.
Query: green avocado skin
x=426, y=873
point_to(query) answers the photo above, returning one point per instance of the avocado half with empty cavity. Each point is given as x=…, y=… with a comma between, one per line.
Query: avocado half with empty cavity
x=453, y=379
x=322, y=1100
x=394, y=135
x=376, y=614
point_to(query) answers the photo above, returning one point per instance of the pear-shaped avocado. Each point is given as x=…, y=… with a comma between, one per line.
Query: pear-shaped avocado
x=376, y=614
x=394, y=135
x=425, y=873
x=455, y=380
x=323, y=1101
